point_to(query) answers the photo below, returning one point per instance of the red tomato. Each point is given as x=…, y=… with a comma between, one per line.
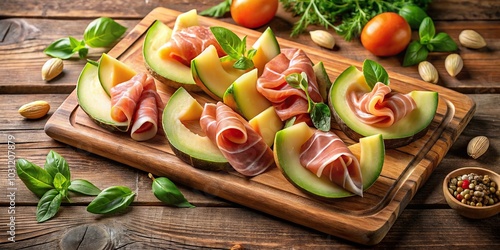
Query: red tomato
x=386, y=34
x=253, y=13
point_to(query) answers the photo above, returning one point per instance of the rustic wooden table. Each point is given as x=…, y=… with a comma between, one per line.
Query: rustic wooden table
x=27, y=27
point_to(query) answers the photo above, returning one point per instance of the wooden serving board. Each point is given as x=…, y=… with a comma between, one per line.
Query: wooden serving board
x=364, y=220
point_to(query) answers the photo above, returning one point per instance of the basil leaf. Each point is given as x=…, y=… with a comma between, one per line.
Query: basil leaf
x=84, y=187
x=414, y=54
x=111, y=200
x=243, y=63
x=374, y=72
x=167, y=192
x=413, y=15
x=55, y=163
x=442, y=42
x=102, y=32
x=321, y=116
x=48, y=206
x=294, y=80
x=36, y=179
x=218, y=10
x=60, y=182
x=60, y=49
x=228, y=41
x=426, y=31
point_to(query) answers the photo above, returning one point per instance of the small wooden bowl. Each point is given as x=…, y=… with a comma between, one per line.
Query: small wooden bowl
x=467, y=210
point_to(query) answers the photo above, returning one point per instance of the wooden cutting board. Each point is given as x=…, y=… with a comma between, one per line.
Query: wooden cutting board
x=364, y=220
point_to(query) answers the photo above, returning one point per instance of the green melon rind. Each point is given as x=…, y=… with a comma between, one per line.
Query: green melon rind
x=198, y=151
x=94, y=101
x=287, y=151
x=408, y=129
x=169, y=72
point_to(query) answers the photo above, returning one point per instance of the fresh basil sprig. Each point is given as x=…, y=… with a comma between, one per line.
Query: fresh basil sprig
x=218, y=10
x=320, y=112
x=167, y=192
x=101, y=32
x=235, y=47
x=52, y=184
x=429, y=41
x=374, y=72
x=111, y=200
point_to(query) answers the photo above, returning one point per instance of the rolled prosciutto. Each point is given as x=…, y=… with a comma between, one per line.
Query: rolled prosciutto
x=326, y=155
x=244, y=148
x=125, y=97
x=147, y=116
x=381, y=107
x=188, y=43
x=288, y=101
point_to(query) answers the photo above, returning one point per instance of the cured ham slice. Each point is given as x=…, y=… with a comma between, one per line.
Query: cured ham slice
x=381, y=107
x=147, y=116
x=326, y=155
x=288, y=101
x=125, y=96
x=244, y=148
x=188, y=43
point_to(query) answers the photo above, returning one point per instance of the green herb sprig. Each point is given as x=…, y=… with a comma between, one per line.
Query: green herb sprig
x=417, y=51
x=235, y=47
x=101, y=32
x=218, y=10
x=374, y=73
x=167, y=192
x=320, y=112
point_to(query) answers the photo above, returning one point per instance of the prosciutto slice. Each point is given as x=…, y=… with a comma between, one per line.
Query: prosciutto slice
x=381, y=107
x=188, y=43
x=325, y=154
x=125, y=96
x=244, y=148
x=288, y=101
x=147, y=115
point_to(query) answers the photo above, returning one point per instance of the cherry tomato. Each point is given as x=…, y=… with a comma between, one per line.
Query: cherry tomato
x=253, y=13
x=386, y=34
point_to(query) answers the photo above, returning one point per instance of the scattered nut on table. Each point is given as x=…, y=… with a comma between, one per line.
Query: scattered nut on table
x=453, y=64
x=34, y=110
x=428, y=72
x=323, y=38
x=477, y=146
x=52, y=68
x=471, y=39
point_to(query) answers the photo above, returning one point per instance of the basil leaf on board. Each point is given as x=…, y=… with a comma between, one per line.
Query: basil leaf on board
x=60, y=49
x=442, y=42
x=243, y=63
x=48, y=206
x=321, y=116
x=414, y=54
x=374, y=72
x=36, y=179
x=55, y=163
x=84, y=187
x=102, y=32
x=228, y=41
x=111, y=200
x=426, y=31
x=218, y=10
x=167, y=192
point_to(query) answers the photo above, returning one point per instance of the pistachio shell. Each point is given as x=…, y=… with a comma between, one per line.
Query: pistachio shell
x=34, y=110
x=478, y=146
x=453, y=64
x=471, y=39
x=323, y=38
x=428, y=72
x=52, y=68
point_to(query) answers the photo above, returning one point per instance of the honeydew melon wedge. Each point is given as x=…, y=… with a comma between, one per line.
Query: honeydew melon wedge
x=168, y=71
x=180, y=116
x=112, y=72
x=267, y=47
x=404, y=131
x=267, y=123
x=94, y=100
x=243, y=97
x=370, y=151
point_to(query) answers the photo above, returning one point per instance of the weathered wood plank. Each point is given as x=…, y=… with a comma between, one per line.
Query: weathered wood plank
x=144, y=227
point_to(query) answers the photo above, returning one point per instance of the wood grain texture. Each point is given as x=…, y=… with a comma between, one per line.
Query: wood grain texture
x=405, y=169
